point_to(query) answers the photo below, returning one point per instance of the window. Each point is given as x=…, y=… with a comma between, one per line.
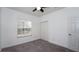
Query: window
x=24, y=28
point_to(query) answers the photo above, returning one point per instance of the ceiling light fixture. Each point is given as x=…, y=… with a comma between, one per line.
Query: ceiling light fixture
x=38, y=8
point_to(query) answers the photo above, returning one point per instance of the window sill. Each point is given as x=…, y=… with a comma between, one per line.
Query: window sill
x=22, y=36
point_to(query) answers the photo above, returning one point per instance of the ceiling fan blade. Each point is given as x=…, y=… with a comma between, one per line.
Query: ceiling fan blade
x=41, y=10
x=34, y=9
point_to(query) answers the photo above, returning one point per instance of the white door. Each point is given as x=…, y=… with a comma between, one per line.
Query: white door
x=74, y=34
x=44, y=30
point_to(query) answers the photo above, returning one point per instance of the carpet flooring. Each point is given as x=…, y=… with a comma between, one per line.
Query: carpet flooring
x=36, y=46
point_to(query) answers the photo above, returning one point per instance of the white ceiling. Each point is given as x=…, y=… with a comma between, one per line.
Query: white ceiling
x=36, y=13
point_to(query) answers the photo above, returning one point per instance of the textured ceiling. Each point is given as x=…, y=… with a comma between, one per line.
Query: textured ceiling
x=36, y=13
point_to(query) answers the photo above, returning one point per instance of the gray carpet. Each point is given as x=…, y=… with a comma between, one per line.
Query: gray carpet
x=36, y=46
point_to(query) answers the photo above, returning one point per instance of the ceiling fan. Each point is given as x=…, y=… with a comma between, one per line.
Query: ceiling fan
x=39, y=8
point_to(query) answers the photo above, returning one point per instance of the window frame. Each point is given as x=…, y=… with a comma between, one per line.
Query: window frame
x=24, y=34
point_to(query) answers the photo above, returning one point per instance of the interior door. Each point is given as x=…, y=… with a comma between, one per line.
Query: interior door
x=74, y=34
x=44, y=30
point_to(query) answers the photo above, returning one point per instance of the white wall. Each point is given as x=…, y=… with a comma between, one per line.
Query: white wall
x=58, y=23
x=0, y=29
x=9, y=27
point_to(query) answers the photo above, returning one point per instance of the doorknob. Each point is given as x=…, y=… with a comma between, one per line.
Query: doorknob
x=69, y=34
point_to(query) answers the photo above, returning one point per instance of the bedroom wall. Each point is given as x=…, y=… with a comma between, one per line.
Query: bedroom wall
x=58, y=23
x=9, y=27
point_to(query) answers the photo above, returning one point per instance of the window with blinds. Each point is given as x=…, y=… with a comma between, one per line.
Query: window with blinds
x=24, y=28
